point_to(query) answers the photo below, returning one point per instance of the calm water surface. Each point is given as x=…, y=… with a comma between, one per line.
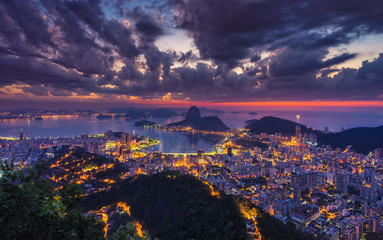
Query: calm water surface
x=174, y=142
x=335, y=119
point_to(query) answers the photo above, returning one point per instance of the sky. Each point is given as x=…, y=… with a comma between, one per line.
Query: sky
x=183, y=52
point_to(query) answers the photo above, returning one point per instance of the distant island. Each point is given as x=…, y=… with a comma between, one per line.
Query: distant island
x=145, y=123
x=250, y=121
x=103, y=117
x=193, y=119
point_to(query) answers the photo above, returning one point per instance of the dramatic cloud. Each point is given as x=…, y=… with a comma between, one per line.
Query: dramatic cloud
x=228, y=30
x=247, y=50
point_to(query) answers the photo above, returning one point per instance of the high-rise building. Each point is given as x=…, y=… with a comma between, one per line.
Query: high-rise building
x=369, y=193
x=108, y=134
x=312, y=138
x=129, y=137
x=201, y=154
x=311, y=178
x=357, y=224
x=298, y=132
x=297, y=194
x=230, y=151
x=330, y=177
x=374, y=224
x=369, y=174
x=124, y=138
x=342, y=181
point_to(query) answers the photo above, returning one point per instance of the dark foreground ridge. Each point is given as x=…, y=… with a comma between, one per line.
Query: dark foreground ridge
x=194, y=120
x=175, y=206
x=171, y=205
x=168, y=205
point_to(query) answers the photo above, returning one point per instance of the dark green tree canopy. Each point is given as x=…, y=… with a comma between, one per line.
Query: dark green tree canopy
x=30, y=208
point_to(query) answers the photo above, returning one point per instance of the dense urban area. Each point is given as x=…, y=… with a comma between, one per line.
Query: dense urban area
x=329, y=193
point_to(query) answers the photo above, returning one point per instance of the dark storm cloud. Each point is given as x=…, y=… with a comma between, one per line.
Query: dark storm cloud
x=227, y=30
x=41, y=72
x=255, y=58
x=293, y=62
x=75, y=48
x=66, y=48
x=299, y=33
x=26, y=16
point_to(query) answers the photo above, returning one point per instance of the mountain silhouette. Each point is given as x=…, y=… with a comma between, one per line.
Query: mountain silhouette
x=194, y=120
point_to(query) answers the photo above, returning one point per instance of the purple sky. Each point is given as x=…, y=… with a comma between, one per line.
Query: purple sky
x=101, y=53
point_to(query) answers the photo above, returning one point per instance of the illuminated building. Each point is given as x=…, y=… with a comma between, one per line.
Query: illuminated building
x=230, y=151
x=157, y=154
x=304, y=214
x=357, y=224
x=23, y=136
x=331, y=233
x=201, y=154
x=297, y=193
x=369, y=193
x=298, y=132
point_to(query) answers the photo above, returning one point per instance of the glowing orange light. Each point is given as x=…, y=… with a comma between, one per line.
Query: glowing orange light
x=125, y=207
x=139, y=229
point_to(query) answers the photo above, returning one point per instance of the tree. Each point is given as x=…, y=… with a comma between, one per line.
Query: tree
x=30, y=208
x=129, y=232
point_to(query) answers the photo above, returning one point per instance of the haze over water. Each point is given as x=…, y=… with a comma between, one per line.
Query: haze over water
x=318, y=118
x=335, y=119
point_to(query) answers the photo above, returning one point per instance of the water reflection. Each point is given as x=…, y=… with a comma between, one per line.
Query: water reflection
x=171, y=142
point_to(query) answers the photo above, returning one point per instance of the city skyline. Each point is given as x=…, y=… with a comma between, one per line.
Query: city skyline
x=191, y=52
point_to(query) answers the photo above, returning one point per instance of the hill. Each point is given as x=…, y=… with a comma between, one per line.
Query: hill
x=75, y=165
x=250, y=121
x=193, y=114
x=103, y=117
x=271, y=125
x=362, y=139
x=193, y=119
x=171, y=205
x=145, y=123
